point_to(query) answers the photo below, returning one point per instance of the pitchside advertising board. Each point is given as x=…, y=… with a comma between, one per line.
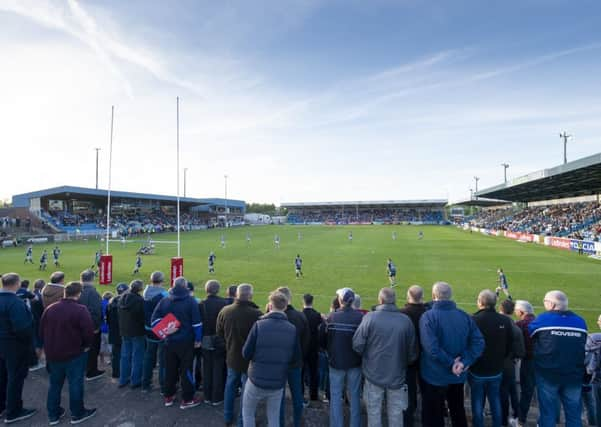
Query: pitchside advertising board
x=105, y=270
x=177, y=268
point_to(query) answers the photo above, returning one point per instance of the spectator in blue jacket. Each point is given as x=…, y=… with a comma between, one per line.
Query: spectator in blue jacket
x=180, y=342
x=15, y=349
x=154, y=351
x=272, y=345
x=451, y=342
x=559, y=338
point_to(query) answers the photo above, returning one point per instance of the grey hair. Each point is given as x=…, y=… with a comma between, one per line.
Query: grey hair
x=441, y=291
x=559, y=299
x=180, y=282
x=244, y=292
x=487, y=298
x=157, y=277
x=87, y=276
x=357, y=302
x=415, y=294
x=212, y=287
x=524, y=306
x=387, y=296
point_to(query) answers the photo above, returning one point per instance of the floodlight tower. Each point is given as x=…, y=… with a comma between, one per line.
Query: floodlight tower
x=505, y=166
x=565, y=138
x=476, y=178
x=471, y=194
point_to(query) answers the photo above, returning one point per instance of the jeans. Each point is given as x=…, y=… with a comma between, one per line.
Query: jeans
x=253, y=395
x=234, y=380
x=154, y=350
x=526, y=388
x=509, y=395
x=549, y=396
x=73, y=370
x=214, y=373
x=178, y=366
x=92, y=364
x=294, y=382
x=483, y=388
x=396, y=403
x=132, y=359
x=116, y=360
x=14, y=367
x=353, y=388
x=433, y=398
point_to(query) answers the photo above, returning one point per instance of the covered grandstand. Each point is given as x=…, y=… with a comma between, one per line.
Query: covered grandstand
x=70, y=209
x=368, y=212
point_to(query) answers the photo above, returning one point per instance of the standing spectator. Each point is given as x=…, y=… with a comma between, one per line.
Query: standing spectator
x=213, y=346
x=231, y=294
x=131, y=326
x=559, y=337
x=386, y=341
x=91, y=299
x=344, y=362
x=37, y=308
x=509, y=388
x=180, y=342
x=272, y=347
x=299, y=320
x=155, y=348
x=486, y=374
x=525, y=313
x=15, y=349
x=414, y=308
x=55, y=290
x=68, y=331
x=112, y=319
x=234, y=323
x=311, y=363
x=451, y=342
x=593, y=368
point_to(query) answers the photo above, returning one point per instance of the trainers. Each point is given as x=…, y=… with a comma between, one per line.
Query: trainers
x=39, y=365
x=57, y=420
x=169, y=400
x=22, y=415
x=217, y=403
x=186, y=404
x=94, y=376
x=87, y=414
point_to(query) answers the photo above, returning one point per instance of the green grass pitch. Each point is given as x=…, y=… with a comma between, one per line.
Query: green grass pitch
x=467, y=261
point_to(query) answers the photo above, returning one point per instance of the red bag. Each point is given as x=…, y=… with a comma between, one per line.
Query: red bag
x=167, y=323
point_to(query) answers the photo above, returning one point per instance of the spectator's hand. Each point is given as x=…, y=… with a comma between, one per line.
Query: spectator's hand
x=197, y=344
x=458, y=366
x=171, y=329
x=97, y=330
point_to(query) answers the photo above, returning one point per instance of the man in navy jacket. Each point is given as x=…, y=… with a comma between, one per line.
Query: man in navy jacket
x=559, y=337
x=272, y=345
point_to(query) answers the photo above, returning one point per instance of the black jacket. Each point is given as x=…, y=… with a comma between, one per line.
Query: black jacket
x=497, y=331
x=209, y=310
x=415, y=311
x=298, y=319
x=112, y=320
x=131, y=315
x=314, y=320
x=336, y=336
x=233, y=325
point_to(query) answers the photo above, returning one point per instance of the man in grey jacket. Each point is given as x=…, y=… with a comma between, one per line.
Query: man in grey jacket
x=387, y=343
x=91, y=299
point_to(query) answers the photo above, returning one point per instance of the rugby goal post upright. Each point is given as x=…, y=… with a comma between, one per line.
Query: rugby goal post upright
x=105, y=269
x=177, y=263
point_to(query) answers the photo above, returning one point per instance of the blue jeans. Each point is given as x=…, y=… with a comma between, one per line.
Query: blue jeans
x=154, y=350
x=353, y=388
x=74, y=371
x=294, y=382
x=526, y=388
x=550, y=394
x=132, y=359
x=234, y=380
x=482, y=388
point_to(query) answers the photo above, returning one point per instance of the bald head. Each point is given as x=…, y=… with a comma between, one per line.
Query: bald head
x=415, y=294
x=556, y=300
x=487, y=299
x=441, y=291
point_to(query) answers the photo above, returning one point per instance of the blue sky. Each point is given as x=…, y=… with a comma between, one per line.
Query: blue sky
x=298, y=100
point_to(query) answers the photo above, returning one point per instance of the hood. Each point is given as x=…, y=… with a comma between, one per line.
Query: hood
x=128, y=300
x=179, y=293
x=152, y=291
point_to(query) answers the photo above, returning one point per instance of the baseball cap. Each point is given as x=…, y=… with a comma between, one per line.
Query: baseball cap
x=346, y=295
x=122, y=287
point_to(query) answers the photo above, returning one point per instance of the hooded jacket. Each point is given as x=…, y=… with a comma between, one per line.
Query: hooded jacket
x=131, y=315
x=153, y=294
x=185, y=309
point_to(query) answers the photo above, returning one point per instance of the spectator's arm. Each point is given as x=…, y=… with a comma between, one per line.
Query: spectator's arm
x=322, y=334
x=87, y=329
x=157, y=314
x=360, y=337
x=220, y=327
x=412, y=349
x=248, y=351
x=95, y=308
x=196, y=323
x=475, y=346
x=519, y=346
x=21, y=321
x=430, y=344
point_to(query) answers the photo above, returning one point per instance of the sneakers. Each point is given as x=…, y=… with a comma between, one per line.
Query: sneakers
x=217, y=403
x=94, y=376
x=39, y=365
x=23, y=415
x=57, y=420
x=169, y=400
x=513, y=422
x=87, y=414
x=187, y=404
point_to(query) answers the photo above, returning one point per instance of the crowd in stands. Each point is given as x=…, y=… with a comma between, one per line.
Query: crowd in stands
x=578, y=220
x=228, y=346
x=350, y=216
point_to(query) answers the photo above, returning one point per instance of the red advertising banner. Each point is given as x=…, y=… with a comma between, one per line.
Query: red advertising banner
x=177, y=268
x=105, y=270
x=559, y=242
x=516, y=235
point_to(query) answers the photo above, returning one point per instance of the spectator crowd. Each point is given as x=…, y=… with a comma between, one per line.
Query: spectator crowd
x=403, y=364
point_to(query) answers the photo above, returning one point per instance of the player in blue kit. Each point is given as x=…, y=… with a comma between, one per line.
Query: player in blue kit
x=138, y=265
x=503, y=285
x=298, y=265
x=391, y=269
x=56, y=253
x=28, y=255
x=212, y=262
x=44, y=260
